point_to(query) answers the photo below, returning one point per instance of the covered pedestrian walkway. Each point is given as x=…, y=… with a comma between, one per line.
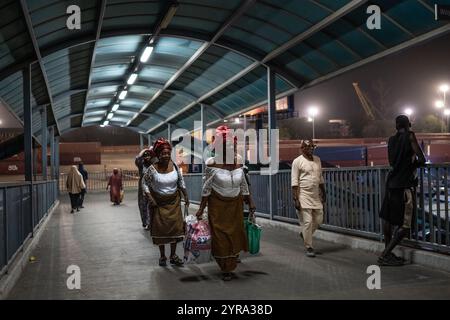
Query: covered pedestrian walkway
x=118, y=261
x=157, y=66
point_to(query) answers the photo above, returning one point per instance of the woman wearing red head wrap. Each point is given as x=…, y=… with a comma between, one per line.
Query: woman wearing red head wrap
x=225, y=190
x=162, y=185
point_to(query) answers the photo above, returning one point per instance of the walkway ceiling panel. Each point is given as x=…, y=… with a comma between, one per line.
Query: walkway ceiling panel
x=38, y=87
x=49, y=19
x=417, y=19
x=347, y=40
x=125, y=14
x=147, y=123
x=96, y=92
x=108, y=73
x=11, y=89
x=75, y=122
x=390, y=33
x=133, y=103
x=97, y=103
x=157, y=74
x=213, y=68
x=247, y=91
x=203, y=16
x=143, y=90
x=263, y=29
x=90, y=119
x=68, y=69
x=118, y=46
x=171, y=103
x=15, y=44
x=117, y=118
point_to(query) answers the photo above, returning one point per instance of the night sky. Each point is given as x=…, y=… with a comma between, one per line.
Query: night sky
x=412, y=78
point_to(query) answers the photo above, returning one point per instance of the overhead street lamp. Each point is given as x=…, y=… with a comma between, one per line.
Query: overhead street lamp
x=409, y=111
x=312, y=113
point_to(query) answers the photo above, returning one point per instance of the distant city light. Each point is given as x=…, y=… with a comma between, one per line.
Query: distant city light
x=447, y=112
x=236, y=120
x=310, y=119
x=443, y=88
x=409, y=111
x=313, y=111
x=439, y=104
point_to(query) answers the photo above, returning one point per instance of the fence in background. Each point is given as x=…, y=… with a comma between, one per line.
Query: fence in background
x=99, y=180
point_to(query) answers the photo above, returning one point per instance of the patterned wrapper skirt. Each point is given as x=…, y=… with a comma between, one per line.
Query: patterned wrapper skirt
x=167, y=219
x=227, y=229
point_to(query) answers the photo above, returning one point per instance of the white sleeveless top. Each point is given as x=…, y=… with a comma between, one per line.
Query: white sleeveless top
x=162, y=183
x=227, y=183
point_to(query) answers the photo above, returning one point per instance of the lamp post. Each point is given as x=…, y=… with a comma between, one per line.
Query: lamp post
x=444, y=88
x=440, y=104
x=447, y=115
x=312, y=112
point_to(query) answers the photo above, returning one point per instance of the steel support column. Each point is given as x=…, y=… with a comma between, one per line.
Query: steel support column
x=271, y=109
x=57, y=160
x=141, y=141
x=27, y=124
x=52, y=152
x=44, y=141
x=169, y=129
x=149, y=139
x=202, y=133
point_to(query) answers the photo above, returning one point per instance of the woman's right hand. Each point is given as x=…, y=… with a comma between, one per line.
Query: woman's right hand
x=199, y=214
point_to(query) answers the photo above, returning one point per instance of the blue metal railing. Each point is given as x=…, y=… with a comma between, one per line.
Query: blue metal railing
x=354, y=199
x=22, y=209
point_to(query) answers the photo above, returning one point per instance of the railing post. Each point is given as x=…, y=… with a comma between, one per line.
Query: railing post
x=44, y=141
x=272, y=125
x=5, y=229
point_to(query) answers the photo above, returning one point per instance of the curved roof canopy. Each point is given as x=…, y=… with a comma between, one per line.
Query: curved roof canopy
x=212, y=52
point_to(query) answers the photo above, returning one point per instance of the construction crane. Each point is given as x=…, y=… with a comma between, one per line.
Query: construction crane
x=367, y=105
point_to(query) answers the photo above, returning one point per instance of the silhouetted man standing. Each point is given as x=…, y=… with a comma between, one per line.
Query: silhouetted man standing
x=399, y=204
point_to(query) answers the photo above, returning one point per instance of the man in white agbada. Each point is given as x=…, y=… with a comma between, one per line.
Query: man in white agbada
x=308, y=191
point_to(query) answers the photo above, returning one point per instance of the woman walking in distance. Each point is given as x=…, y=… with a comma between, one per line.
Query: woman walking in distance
x=163, y=184
x=224, y=192
x=115, y=184
x=143, y=160
x=75, y=186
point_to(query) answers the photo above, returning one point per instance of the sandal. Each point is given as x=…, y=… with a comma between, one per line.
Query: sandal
x=176, y=261
x=226, y=276
x=163, y=262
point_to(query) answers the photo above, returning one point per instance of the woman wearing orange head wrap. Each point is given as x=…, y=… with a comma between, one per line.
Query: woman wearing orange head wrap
x=225, y=190
x=162, y=185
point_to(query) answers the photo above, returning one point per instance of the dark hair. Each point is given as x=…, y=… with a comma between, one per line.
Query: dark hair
x=402, y=122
